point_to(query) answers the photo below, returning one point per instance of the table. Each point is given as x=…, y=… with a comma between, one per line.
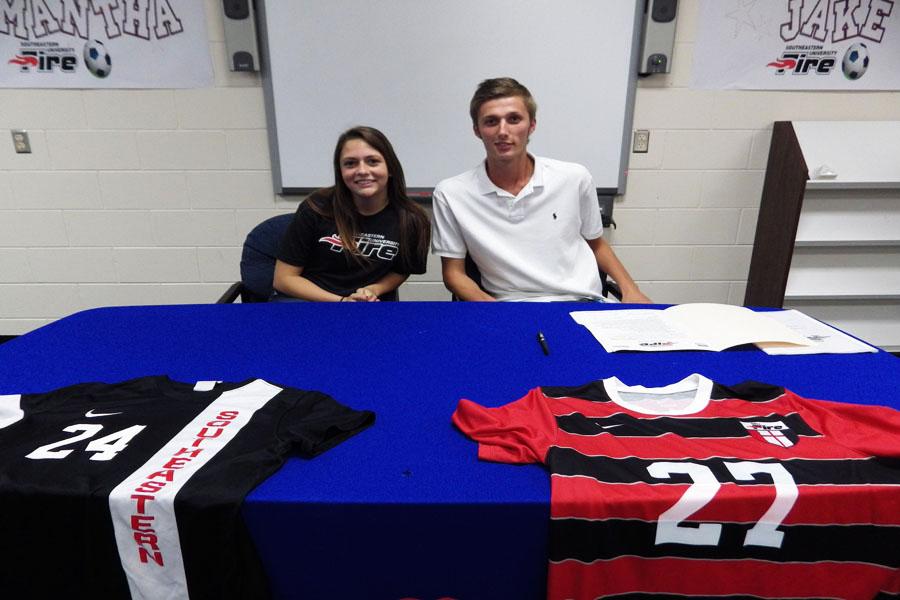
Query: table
x=404, y=509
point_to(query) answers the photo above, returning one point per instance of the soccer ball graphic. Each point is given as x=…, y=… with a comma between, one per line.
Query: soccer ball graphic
x=97, y=59
x=856, y=61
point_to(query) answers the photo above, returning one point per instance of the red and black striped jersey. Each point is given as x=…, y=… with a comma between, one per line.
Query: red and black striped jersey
x=701, y=490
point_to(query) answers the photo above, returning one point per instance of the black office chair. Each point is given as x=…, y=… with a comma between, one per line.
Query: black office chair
x=258, y=263
x=610, y=287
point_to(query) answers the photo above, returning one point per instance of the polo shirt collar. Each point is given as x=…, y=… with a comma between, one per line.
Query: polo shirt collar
x=486, y=186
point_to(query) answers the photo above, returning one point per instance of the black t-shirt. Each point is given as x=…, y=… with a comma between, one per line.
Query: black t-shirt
x=312, y=242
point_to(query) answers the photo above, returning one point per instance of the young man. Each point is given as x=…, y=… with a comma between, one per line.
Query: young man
x=532, y=225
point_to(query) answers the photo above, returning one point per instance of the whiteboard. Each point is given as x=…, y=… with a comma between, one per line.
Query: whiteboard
x=410, y=67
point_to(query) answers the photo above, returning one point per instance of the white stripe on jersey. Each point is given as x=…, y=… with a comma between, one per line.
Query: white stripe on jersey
x=10, y=410
x=143, y=505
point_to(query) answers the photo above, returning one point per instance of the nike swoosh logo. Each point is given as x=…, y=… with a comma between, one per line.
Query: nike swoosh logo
x=91, y=413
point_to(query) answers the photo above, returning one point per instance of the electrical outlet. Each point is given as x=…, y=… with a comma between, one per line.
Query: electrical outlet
x=641, y=141
x=20, y=141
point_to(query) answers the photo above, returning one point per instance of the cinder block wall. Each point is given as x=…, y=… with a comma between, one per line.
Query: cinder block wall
x=144, y=196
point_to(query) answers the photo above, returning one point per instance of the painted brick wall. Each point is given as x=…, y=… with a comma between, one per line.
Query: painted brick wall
x=144, y=196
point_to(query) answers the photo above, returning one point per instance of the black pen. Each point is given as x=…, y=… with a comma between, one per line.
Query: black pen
x=543, y=342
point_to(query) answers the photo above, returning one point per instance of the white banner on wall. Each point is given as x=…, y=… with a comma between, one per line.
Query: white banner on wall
x=798, y=45
x=104, y=44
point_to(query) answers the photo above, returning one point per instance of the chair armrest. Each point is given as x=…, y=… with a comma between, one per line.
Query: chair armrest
x=231, y=294
x=611, y=288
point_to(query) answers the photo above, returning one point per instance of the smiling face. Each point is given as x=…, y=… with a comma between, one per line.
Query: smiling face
x=364, y=171
x=503, y=125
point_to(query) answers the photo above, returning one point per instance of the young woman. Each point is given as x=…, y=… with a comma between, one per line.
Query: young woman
x=360, y=239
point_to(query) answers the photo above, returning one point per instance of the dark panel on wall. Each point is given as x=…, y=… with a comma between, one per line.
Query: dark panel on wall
x=779, y=212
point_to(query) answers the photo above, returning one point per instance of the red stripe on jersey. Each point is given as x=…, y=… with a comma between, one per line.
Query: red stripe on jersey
x=748, y=448
x=732, y=407
x=840, y=439
x=725, y=407
x=587, y=498
x=579, y=581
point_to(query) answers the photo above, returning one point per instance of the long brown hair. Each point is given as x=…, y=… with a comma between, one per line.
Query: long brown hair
x=414, y=222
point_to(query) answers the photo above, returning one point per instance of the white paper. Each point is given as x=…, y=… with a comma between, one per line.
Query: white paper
x=697, y=326
x=638, y=329
x=721, y=326
x=823, y=338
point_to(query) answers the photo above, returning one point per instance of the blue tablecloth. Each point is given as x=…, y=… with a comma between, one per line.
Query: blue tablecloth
x=404, y=509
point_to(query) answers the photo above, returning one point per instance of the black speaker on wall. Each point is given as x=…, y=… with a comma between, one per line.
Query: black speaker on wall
x=240, y=35
x=659, y=36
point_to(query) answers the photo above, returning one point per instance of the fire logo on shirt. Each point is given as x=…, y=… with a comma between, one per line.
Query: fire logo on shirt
x=773, y=432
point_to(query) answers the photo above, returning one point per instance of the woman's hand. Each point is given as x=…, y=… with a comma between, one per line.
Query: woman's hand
x=363, y=294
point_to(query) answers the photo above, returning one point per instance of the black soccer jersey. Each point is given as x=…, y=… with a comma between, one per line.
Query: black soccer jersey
x=135, y=487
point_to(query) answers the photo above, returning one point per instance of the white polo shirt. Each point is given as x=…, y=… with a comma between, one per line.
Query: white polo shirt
x=530, y=246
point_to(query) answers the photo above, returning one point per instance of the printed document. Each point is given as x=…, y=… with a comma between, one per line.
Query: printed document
x=698, y=326
x=822, y=338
